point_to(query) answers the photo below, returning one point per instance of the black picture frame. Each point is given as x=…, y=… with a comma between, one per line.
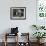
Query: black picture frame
x=18, y=13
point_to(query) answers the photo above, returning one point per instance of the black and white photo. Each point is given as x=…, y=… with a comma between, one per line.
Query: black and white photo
x=18, y=13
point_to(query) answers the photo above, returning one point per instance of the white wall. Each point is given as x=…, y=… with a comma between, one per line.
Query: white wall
x=24, y=25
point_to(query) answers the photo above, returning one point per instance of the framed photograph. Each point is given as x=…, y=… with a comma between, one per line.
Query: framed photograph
x=18, y=13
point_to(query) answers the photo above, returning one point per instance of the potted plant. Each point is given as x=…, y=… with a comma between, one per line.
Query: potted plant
x=38, y=27
x=39, y=35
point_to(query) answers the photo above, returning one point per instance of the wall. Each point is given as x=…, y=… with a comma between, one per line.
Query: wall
x=24, y=25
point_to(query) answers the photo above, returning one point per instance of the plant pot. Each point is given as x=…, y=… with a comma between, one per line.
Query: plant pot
x=40, y=41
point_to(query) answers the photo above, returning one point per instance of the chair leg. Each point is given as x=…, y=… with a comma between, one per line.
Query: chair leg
x=5, y=43
x=5, y=39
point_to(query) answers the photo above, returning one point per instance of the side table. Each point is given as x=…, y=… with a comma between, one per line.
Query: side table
x=8, y=34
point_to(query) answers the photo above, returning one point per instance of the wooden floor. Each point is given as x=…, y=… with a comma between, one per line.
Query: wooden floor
x=13, y=44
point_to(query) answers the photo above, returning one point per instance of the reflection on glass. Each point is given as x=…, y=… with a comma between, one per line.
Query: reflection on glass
x=41, y=14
